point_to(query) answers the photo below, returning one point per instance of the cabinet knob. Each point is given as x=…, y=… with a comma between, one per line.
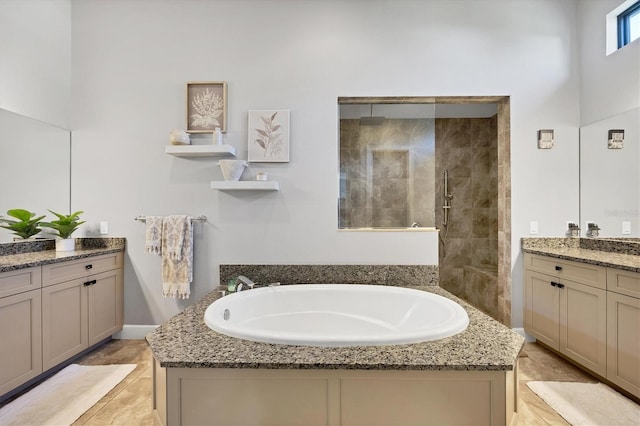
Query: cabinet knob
x=89, y=266
x=558, y=268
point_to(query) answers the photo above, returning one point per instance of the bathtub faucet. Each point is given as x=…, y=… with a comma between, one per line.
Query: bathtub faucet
x=243, y=283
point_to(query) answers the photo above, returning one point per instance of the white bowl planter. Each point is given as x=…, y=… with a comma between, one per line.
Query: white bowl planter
x=67, y=244
x=232, y=169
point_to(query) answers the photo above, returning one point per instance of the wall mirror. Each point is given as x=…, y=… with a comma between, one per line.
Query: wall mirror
x=610, y=176
x=35, y=167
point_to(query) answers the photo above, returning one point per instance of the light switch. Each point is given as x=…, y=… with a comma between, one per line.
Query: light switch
x=104, y=228
x=626, y=228
x=533, y=227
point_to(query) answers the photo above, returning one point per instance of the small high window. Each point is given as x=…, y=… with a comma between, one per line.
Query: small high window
x=629, y=25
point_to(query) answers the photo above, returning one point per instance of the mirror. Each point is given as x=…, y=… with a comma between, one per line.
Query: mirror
x=610, y=177
x=35, y=167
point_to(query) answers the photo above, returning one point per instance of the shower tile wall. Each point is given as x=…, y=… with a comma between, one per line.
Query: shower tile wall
x=468, y=149
x=386, y=173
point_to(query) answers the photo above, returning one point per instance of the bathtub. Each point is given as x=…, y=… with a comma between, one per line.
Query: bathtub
x=336, y=315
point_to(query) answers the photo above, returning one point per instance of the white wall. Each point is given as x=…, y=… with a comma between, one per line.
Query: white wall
x=35, y=59
x=132, y=58
x=609, y=85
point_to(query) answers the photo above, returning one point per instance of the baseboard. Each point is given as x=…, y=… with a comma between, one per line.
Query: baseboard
x=134, y=331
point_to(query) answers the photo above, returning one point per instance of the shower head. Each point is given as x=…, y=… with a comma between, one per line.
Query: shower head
x=371, y=120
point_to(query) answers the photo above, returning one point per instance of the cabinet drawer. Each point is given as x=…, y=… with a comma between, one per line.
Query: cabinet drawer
x=623, y=282
x=593, y=275
x=20, y=280
x=65, y=271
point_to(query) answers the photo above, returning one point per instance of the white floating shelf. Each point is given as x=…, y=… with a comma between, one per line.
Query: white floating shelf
x=245, y=185
x=201, y=150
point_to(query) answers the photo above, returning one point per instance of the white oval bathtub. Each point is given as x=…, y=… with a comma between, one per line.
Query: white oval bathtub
x=336, y=315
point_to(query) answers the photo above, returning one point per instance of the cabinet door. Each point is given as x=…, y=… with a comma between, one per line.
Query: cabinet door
x=583, y=325
x=623, y=341
x=105, y=305
x=542, y=308
x=20, y=339
x=64, y=322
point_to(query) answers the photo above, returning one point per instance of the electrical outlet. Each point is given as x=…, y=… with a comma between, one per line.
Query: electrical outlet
x=626, y=228
x=104, y=228
x=533, y=227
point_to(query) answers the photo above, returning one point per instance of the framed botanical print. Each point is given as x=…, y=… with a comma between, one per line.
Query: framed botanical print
x=269, y=136
x=206, y=106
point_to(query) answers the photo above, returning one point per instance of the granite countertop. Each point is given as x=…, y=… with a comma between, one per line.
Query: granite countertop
x=84, y=248
x=629, y=262
x=186, y=341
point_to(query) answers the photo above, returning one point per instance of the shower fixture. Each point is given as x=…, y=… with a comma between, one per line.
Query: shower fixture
x=447, y=199
x=371, y=120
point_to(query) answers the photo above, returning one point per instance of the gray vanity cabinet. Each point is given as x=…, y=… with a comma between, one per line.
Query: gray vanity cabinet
x=588, y=313
x=82, y=304
x=566, y=307
x=623, y=323
x=20, y=333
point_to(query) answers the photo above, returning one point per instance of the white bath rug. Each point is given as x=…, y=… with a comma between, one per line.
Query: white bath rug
x=588, y=404
x=63, y=398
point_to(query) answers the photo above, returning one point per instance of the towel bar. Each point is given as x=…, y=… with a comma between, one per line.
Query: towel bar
x=201, y=218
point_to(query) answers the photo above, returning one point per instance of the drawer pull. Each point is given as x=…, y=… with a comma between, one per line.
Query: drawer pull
x=558, y=268
x=560, y=285
x=89, y=266
x=92, y=282
x=554, y=284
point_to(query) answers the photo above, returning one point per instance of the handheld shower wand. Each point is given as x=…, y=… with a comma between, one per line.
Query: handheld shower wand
x=447, y=199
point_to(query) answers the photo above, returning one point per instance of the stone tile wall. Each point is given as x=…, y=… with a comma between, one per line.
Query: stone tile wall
x=468, y=149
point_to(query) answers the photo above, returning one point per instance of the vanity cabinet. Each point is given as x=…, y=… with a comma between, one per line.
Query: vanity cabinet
x=623, y=329
x=589, y=313
x=20, y=336
x=82, y=304
x=566, y=308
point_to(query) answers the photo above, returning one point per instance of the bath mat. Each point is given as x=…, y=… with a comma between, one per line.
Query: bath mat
x=63, y=398
x=593, y=404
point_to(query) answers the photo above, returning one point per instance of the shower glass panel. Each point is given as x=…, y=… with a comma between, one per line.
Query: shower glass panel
x=387, y=165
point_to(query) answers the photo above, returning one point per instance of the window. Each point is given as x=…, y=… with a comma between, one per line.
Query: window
x=629, y=25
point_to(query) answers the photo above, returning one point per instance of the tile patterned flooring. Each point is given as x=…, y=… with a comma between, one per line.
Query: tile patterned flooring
x=129, y=403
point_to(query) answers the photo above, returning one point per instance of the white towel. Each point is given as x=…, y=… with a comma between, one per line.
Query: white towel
x=152, y=243
x=177, y=256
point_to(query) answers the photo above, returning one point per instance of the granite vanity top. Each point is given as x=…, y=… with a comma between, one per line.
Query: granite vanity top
x=585, y=252
x=16, y=256
x=186, y=341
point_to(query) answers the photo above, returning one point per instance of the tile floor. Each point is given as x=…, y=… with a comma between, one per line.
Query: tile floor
x=129, y=403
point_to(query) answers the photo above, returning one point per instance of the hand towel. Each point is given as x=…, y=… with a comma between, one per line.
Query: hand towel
x=177, y=256
x=153, y=233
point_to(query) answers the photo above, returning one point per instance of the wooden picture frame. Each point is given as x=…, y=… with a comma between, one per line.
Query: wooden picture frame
x=269, y=136
x=206, y=106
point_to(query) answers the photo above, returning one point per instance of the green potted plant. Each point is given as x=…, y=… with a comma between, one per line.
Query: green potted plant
x=64, y=226
x=25, y=227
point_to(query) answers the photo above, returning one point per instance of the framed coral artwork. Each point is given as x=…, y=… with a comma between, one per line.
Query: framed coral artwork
x=206, y=106
x=269, y=136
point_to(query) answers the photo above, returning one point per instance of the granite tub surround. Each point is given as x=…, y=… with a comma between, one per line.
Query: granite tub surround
x=397, y=275
x=27, y=254
x=609, y=253
x=185, y=341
